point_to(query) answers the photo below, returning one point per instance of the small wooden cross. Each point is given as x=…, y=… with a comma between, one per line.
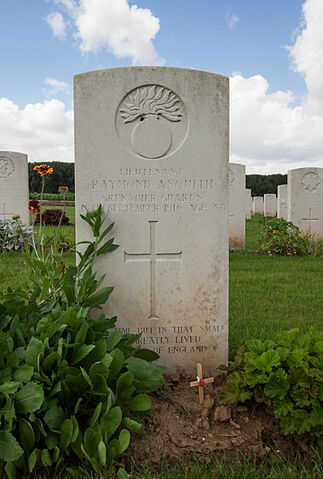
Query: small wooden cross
x=200, y=382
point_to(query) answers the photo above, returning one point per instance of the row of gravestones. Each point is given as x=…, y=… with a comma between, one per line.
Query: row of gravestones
x=300, y=201
x=152, y=146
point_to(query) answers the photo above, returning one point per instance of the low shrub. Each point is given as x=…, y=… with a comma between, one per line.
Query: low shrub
x=286, y=375
x=64, y=196
x=283, y=238
x=53, y=217
x=72, y=387
x=14, y=235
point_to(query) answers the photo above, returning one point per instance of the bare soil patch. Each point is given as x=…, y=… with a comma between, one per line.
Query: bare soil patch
x=180, y=428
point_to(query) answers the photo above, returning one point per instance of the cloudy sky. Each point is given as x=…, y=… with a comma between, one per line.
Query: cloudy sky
x=271, y=50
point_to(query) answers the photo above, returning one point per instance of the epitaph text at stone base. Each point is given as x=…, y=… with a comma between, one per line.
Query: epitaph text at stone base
x=152, y=148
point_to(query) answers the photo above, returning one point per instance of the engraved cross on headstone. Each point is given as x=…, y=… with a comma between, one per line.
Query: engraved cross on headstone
x=310, y=219
x=152, y=257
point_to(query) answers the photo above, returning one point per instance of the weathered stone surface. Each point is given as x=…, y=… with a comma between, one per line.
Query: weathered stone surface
x=237, y=209
x=282, y=202
x=152, y=147
x=14, y=189
x=248, y=203
x=305, y=199
x=258, y=205
x=270, y=205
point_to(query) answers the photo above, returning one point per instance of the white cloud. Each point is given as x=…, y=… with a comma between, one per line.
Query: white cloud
x=307, y=53
x=56, y=22
x=43, y=130
x=55, y=87
x=232, y=20
x=269, y=133
x=125, y=30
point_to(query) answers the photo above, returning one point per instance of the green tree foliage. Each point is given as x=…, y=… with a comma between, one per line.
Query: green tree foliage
x=263, y=184
x=63, y=176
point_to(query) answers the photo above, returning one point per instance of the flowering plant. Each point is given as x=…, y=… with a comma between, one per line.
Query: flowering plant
x=34, y=206
x=43, y=170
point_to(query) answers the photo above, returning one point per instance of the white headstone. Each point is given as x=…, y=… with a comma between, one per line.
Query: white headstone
x=14, y=189
x=248, y=203
x=258, y=205
x=305, y=199
x=282, y=202
x=270, y=205
x=152, y=147
x=237, y=208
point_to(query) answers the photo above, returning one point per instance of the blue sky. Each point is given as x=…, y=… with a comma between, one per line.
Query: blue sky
x=272, y=51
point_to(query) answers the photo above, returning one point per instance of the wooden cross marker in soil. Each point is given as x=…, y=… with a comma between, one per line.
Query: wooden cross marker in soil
x=200, y=382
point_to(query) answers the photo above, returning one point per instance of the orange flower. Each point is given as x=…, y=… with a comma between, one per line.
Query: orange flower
x=43, y=169
x=34, y=206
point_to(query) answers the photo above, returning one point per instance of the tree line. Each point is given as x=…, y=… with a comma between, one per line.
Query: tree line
x=263, y=184
x=63, y=175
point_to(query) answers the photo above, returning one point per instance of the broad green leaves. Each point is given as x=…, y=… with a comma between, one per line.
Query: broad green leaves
x=29, y=398
x=287, y=375
x=10, y=450
x=71, y=388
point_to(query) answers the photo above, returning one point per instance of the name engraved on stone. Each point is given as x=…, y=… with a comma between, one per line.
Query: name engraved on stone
x=151, y=121
x=7, y=167
x=168, y=192
x=310, y=219
x=311, y=181
x=152, y=257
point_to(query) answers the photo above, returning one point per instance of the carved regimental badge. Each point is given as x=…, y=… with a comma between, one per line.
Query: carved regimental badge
x=311, y=181
x=151, y=121
x=7, y=167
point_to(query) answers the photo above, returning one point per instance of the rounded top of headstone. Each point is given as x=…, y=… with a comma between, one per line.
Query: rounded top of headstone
x=13, y=153
x=148, y=69
x=306, y=169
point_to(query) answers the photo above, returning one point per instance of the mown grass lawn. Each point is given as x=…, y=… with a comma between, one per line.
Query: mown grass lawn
x=267, y=295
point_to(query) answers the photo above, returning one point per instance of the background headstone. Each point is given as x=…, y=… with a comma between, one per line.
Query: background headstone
x=282, y=202
x=152, y=147
x=305, y=199
x=248, y=203
x=237, y=208
x=258, y=205
x=270, y=205
x=14, y=189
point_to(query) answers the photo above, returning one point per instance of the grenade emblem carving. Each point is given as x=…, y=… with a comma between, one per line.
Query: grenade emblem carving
x=148, y=114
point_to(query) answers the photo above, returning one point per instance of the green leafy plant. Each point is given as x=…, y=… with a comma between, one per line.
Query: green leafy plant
x=286, y=375
x=72, y=387
x=14, y=235
x=284, y=238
